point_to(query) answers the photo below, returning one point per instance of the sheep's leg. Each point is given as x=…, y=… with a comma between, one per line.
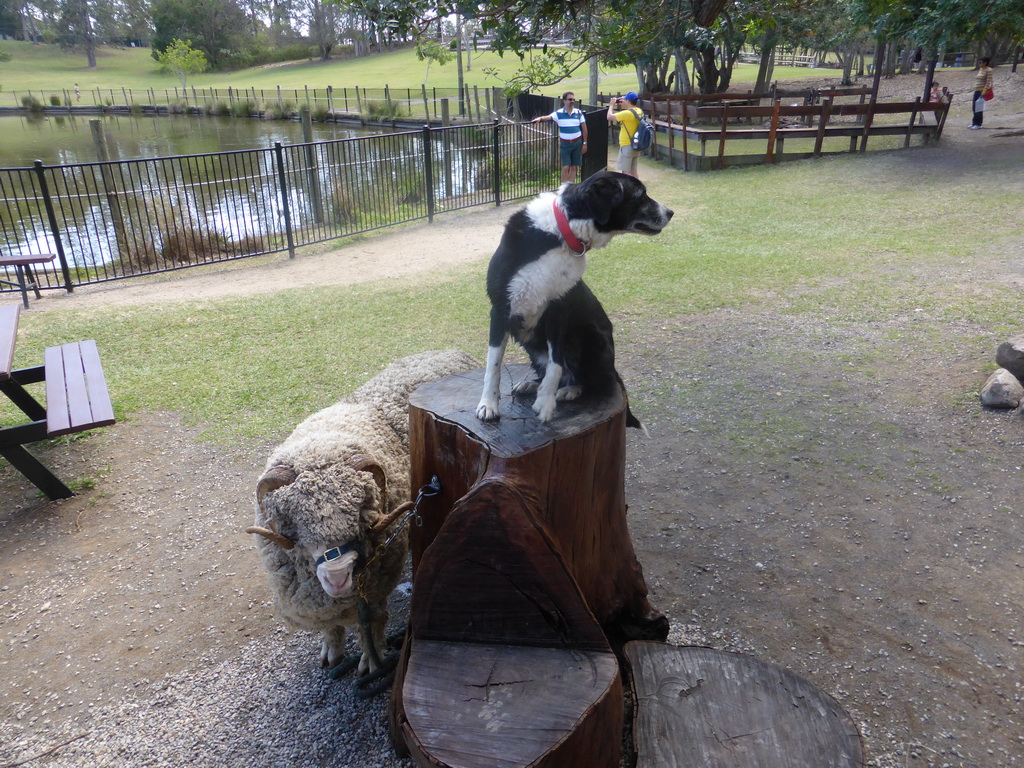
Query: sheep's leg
x=332, y=646
x=377, y=624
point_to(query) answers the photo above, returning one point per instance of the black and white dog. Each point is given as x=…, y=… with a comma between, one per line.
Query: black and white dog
x=538, y=296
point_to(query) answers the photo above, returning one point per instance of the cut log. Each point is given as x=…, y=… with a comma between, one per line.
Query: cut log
x=523, y=571
x=506, y=666
x=701, y=707
x=575, y=465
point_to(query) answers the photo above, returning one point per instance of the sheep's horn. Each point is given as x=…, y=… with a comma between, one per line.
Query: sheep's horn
x=272, y=479
x=280, y=539
x=389, y=519
x=363, y=463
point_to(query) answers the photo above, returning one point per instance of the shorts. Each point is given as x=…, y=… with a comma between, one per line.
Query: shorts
x=571, y=152
x=627, y=159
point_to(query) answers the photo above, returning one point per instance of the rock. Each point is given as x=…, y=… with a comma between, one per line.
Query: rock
x=1002, y=390
x=1010, y=355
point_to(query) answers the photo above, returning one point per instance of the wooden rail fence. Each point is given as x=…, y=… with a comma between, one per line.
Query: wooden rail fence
x=683, y=122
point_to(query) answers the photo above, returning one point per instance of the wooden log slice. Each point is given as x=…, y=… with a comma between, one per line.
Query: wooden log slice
x=701, y=707
x=497, y=706
x=506, y=667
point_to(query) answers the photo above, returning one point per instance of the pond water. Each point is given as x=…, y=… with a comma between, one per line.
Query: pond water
x=186, y=189
x=67, y=139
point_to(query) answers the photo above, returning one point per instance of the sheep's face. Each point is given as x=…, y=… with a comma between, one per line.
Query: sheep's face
x=336, y=575
x=321, y=511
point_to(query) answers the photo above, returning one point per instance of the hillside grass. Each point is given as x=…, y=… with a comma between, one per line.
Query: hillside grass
x=849, y=238
x=48, y=69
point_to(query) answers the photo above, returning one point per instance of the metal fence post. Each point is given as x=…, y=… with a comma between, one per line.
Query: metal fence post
x=283, y=184
x=428, y=169
x=52, y=217
x=497, y=161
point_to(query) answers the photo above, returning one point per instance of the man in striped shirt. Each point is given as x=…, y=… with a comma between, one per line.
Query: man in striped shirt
x=572, y=135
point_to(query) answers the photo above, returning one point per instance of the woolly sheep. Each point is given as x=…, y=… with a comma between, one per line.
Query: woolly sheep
x=332, y=484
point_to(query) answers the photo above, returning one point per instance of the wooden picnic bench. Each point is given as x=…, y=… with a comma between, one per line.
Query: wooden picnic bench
x=22, y=264
x=76, y=400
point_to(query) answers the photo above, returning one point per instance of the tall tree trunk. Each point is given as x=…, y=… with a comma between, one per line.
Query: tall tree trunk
x=879, y=57
x=849, y=56
x=765, y=67
x=683, y=83
x=594, y=79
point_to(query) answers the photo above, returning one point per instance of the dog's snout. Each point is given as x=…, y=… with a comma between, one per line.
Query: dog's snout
x=669, y=213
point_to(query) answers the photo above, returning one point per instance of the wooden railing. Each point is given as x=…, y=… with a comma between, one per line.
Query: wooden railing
x=728, y=117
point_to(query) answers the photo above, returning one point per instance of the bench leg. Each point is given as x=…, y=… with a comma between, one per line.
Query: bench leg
x=37, y=474
x=33, y=283
x=21, y=283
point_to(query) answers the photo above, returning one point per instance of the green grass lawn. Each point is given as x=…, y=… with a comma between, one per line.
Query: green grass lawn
x=48, y=69
x=849, y=238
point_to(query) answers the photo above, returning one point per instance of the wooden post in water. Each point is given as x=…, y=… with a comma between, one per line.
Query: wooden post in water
x=99, y=140
x=312, y=175
x=446, y=147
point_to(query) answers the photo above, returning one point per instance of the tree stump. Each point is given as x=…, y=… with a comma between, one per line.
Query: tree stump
x=524, y=579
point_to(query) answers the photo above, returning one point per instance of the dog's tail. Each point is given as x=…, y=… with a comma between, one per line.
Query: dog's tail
x=634, y=422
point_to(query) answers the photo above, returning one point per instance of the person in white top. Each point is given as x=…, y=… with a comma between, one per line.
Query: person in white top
x=572, y=135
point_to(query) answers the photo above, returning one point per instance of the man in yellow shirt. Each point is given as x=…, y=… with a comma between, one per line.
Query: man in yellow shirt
x=624, y=111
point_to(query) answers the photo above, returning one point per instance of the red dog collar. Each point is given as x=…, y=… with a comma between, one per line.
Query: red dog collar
x=575, y=244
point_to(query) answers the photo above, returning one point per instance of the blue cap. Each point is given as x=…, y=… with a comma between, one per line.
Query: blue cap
x=631, y=96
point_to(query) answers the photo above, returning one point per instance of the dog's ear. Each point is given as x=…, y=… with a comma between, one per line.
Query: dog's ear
x=604, y=195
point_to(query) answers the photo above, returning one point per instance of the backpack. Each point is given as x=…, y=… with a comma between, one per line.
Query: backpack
x=641, y=138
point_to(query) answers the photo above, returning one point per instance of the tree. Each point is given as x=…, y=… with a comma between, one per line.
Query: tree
x=181, y=59
x=218, y=28
x=432, y=51
x=323, y=21
x=76, y=30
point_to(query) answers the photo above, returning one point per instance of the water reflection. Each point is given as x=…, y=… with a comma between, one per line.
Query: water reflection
x=65, y=139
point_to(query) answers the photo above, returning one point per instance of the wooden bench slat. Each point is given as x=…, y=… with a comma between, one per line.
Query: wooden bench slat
x=76, y=389
x=58, y=421
x=99, y=395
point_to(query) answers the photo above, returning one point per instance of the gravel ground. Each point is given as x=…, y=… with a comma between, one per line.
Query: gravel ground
x=874, y=545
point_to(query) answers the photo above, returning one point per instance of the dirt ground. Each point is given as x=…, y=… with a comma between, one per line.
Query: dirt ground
x=895, y=583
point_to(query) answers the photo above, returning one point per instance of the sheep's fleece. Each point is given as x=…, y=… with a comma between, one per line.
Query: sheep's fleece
x=331, y=503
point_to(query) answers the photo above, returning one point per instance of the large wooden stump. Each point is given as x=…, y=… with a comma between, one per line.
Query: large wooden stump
x=523, y=571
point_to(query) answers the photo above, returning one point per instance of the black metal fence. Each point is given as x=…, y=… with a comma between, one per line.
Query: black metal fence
x=112, y=220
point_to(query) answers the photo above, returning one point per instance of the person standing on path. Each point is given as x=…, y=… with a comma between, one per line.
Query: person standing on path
x=981, y=84
x=572, y=135
x=628, y=115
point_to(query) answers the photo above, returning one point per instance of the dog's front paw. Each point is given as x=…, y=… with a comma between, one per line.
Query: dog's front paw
x=544, y=407
x=487, y=411
x=525, y=387
x=565, y=394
